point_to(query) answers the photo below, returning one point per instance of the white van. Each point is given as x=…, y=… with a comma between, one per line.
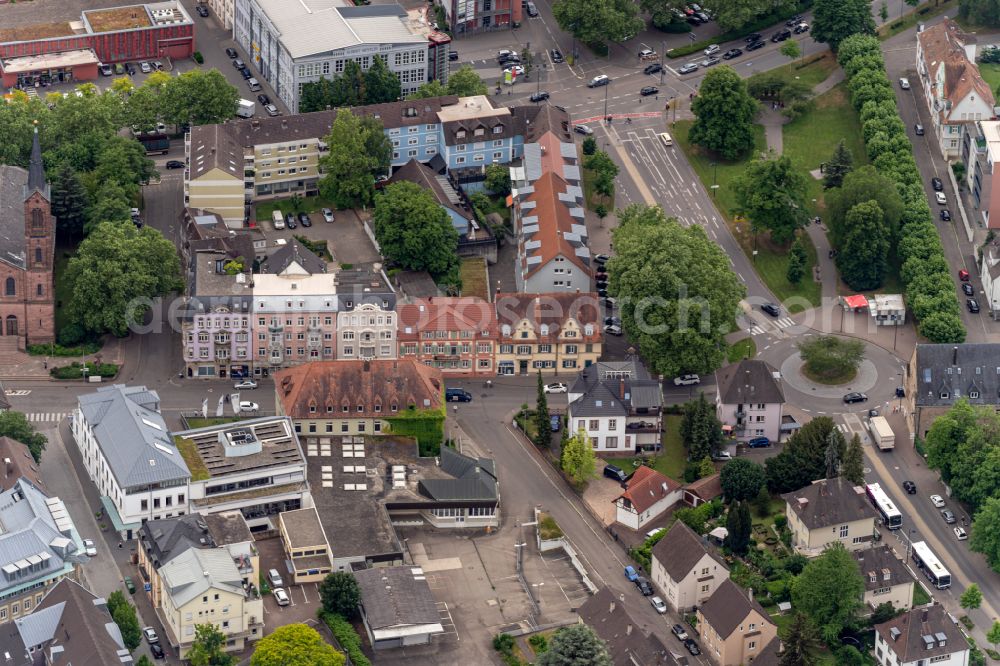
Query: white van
x=254, y=84
x=278, y=219
x=665, y=138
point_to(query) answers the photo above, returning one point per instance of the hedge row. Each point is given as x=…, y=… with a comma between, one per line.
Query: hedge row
x=761, y=23
x=84, y=349
x=930, y=288
x=75, y=370
x=348, y=638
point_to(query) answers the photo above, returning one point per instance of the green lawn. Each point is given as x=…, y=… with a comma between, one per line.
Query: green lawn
x=671, y=461
x=991, y=74
x=816, y=71
x=772, y=266
x=473, y=273
x=745, y=348
x=920, y=596
x=309, y=205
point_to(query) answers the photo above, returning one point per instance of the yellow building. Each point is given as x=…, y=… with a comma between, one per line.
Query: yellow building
x=305, y=545
x=553, y=332
x=829, y=511
x=204, y=586
x=734, y=629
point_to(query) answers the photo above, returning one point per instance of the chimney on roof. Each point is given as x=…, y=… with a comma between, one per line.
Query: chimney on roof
x=954, y=355
x=750, y=593
x=8, y=467
x=611, y=607
x=628, y=629
x=621, y=388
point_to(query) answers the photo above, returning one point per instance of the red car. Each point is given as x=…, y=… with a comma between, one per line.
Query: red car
x=963, y=275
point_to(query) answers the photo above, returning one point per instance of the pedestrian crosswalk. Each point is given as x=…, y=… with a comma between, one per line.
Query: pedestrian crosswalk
x=17, y=393
x=46, y=417
x=784, y=322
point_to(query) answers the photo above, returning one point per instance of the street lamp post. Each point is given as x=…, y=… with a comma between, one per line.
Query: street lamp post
x=715, y=184
x=607, y=118
x=663, y=54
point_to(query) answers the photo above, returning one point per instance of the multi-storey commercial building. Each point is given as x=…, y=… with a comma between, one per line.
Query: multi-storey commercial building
x=471, y=16
x=554, y=332
x=70, y=46
x=367, y=332
x=235, y=163
x=130, y=456
x=458, y=336
x=292, y=44
x=981, y=154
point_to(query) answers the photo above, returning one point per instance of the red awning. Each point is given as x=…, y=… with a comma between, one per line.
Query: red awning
x=856, y=301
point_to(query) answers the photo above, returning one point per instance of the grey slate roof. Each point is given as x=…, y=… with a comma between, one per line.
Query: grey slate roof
x=475, y=478
x=829, y=502
x=750, y=380
x=132, y=435
x=626, y=642
x=957, y=371
x=196, y=570
x=615, y=388
x=296, y=252
x=728, y=606
x=912, y=627
x=396, y=596
x=680, y=549
x=13, y=181
x=165, y=539
x=881, y=561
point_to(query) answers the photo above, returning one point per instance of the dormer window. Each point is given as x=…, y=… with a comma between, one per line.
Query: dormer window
x=361, y=408
x=479, y=131
x=945, y=395
x=312, y=408
x=544, y=329
x=974, y=394
x=505, y=330
x=498, y=129
x=345, y=408
x=588, y=329
x=460, y=134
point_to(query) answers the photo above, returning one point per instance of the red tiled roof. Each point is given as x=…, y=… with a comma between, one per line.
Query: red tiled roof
x=553, y=310
x=647, y=487
x=447, y=314
x=554, y=222
x=944, y=45
x=354, y=384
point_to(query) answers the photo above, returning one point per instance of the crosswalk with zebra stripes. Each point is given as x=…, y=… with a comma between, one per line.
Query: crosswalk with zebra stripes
x=46, y=417
x=784, y=322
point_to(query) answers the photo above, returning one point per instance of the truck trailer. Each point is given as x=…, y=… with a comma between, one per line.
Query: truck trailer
x=882, y=435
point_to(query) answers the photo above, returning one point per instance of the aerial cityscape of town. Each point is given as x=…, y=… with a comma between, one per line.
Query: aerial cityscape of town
x=467, y=332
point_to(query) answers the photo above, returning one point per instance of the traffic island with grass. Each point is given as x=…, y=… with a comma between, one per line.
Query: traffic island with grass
x=831, y=360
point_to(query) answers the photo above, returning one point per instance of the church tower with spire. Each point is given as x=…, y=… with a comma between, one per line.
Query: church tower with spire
x=27, y=254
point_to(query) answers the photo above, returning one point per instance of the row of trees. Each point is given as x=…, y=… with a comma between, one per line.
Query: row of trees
x=983, y=12
x=964, y=445
x=930, y=289
x=818, y=450
x=677, y=291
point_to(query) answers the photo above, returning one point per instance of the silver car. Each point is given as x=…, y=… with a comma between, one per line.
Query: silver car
x=688, y=68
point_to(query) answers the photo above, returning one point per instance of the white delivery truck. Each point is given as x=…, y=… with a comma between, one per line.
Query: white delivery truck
x=245, y=108
x=882, y=435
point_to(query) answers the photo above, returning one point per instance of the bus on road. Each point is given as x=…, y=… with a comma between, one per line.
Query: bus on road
x=928, y=563
x=891, y=517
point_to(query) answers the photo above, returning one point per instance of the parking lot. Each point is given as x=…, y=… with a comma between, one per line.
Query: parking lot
x=304, y=599
x=345, y=236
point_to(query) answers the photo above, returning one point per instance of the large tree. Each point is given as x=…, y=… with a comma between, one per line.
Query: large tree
x=69, y=202
x=115, y=272
x=985, y=536
x=738, y=525
x=199, y=97
x=724, y=113
x=803, y=459
x=16, y=426
x=575, y=645
x=835, y=20
x=828, y=356
x=414, y=231
x=829, y=591
x=381, y=84
x=838, y=166
x=128, y=623
x=340, y=594
x=209, y=647
x=742, y=479
x=800, y=642
x=358, y=151
x=543, y=426
x=981, y=12
x=859, y=186
x=772, y=193
x=465, y=82
x=122, y=162
x=852, y=467
x=864, y=257
x=679, y=296
x=701, y=430
x=295, y=645
x=598, y=21
x=971, y=598
x=577, y=457
x=430, y=89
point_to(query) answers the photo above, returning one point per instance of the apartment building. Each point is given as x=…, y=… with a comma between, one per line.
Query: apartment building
x=298, y=43
x=829, y=511
x=367, y=332
x=954, y=91
x=686, y=568
x=235, y=163
x=552, y=332
x=256, y=467
x=618, y=405
x=939, y=375
x=305, y=545
x=477, y=16
x=981, y=155
x=921, y=636
x=750, y=400
x=458, y=336
x=130, y=456
x=734, y=628
x=887, y=578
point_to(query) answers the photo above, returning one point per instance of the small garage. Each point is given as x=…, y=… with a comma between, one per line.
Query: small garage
x=397, y=607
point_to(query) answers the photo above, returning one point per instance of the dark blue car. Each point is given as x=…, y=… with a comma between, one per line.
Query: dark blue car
x=556, y=422
x=759, y=443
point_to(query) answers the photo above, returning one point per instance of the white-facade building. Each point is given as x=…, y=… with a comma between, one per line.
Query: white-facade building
x=921, y=637
x=130, y=456
x=366, y=332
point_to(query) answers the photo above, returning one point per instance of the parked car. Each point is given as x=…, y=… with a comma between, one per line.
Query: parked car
x=452, y=56
x=918, y=129
x=601, y=258
x=130, y=69
x=290, y=221
x=722, y=456
x=904, y=83
x=646, y=54
x=119, y=69
x=582, y=129
x=272, y=110
x=231, y=52
x=752, y=37
x=327, y=215
x=89, y=548
x=555, y=422
x=304, y=220
x=692, y=647
x=759, y=443
x=967, y=289
x=753, y=46
x=801, y=28
x=948, y=516
x=630, y=572
x=940, y=198
x=274, y=578
x=732, y=53
x=598, y=81
x=263, y=99
x=853, y=397
x=937, y=501
x=145, y=68
x=910, y=487
x=281, y=596
x=613, y=329
x=532, y=10
x=612, y=321
x=247, y=406
x=457, y=395
x=960, y=533
x=503, y=54
x=771, y=309
x=106, y=70
x=688, y=68
x=644, y=586
x=157, y=651
x=557, y=387
x=150, y=635
x=539, y=96
x=202, y=11
x=658, y=604
x=780, y=36
x=618, y=474
x=945, y=215
x=516, y=70
x=556, y=55
x=794, y=20
x=639, y=425
x=963, y=275
x=649, y=90
x=687, y=380
x=245, y=385
x=679, y=631
x=972, y=304
x=129, y=585
x=655, y=68
x=937, y=184
x=174, y=164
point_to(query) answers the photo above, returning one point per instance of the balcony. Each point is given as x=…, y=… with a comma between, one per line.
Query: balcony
x=741, y=413
x=642, y=427
x=275, y=328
